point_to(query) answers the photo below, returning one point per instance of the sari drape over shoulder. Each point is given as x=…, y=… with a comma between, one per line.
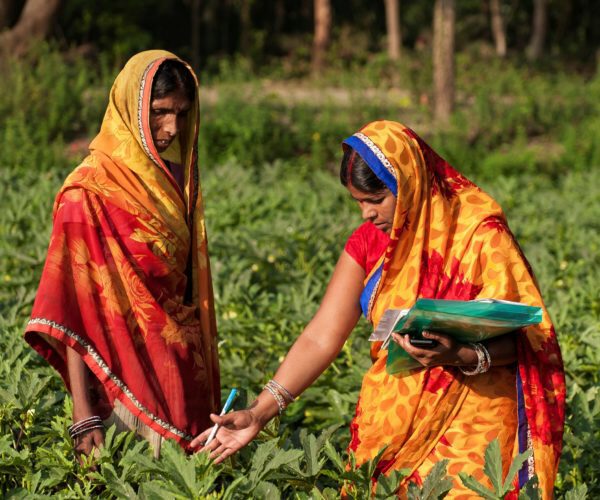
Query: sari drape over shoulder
x=450, y=240
x=127, y=280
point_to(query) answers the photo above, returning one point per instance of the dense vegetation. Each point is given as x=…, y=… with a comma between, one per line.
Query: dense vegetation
x=277, y=219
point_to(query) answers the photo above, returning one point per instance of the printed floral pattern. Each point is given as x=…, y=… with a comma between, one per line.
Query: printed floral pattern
x=457, y=246
x=114, y=284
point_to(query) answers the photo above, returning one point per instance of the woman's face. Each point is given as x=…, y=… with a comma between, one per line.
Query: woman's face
x=168, y=116
x=378, y=208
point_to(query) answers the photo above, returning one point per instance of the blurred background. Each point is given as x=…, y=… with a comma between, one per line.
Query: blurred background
x=508, y=91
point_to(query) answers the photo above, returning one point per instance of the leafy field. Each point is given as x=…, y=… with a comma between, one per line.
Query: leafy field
x=277, y=220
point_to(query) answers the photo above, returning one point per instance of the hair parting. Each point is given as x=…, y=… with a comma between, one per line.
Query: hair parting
x=356, y=172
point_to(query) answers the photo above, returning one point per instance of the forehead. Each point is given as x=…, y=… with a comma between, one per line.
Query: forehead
x=175, y=100
x=359, y=195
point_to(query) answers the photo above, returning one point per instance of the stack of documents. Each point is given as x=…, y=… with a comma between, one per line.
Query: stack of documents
x=466, y=321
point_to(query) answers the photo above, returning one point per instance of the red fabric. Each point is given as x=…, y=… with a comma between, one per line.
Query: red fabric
x=127, y=280
x=366, y=245
x=116, y=302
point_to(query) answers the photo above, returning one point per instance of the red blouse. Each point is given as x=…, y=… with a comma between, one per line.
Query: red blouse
x=366, y=245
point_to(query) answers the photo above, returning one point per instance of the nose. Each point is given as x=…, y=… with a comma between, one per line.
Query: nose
x=367, y=211
x=170, y=125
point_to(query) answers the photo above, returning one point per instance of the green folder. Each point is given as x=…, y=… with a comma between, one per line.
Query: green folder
x=466, y=321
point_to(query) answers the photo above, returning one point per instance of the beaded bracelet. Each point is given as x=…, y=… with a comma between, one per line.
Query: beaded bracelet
x=484, y=362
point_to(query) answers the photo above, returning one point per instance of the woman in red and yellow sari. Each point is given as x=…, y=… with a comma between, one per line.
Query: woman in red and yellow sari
x=429, y=232
x=124, y=310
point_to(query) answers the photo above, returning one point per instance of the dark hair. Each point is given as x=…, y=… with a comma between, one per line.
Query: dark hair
x=173, y=75
x=355, y=171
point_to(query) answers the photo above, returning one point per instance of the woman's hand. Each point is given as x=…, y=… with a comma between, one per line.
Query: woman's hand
x=447, y=351
x=236, y=430
x=88, y=443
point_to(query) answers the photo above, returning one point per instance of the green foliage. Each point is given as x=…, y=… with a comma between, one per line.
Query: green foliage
x=436, y=484
x=493, y=470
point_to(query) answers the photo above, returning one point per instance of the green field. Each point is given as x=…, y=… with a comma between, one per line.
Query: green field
x=277, y=220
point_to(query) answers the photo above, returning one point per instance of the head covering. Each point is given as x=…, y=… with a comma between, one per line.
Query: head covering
x=449, y=240
x=127, y=280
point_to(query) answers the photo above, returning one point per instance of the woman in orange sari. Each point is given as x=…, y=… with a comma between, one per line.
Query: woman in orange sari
x=124, y=310
x=431, y=233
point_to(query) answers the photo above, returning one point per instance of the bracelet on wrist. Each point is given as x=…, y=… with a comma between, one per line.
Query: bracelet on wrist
x=282, y=396
x=287, y=395
x=84, y=426
x=484, y=362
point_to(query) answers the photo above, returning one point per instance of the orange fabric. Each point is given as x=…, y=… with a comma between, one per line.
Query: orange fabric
x=450, y=240
x=127, y=280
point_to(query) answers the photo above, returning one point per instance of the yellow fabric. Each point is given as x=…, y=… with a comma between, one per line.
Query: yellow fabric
x=449, y=240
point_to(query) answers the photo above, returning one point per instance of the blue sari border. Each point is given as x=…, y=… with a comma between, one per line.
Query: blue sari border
x=367, y=293
x=375, y=158
x=522, y=431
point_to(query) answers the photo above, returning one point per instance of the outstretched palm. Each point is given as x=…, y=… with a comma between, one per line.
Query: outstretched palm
x=236, y=430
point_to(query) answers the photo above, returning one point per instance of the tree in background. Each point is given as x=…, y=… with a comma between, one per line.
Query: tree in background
x=538, y=33
x=245, y=26
x=444, y=15
x=498, y=31
x=394, y=36
x=322, y=16
x=34, y=23
x=195, y=35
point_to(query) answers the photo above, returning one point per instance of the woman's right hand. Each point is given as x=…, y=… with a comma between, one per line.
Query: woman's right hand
x=88, y=443
x=236, y=430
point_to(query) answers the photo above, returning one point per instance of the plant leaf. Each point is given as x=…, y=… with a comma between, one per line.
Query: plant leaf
x=474, y=485
x=437, y=484
x=493, y=466
x=514, y=469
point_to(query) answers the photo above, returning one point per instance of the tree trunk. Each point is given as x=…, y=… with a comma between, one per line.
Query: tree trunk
x=392, y=21
x=34, y=24
x=195, y=38
x=279, y=17
x=498, y=31
x=209, y=39
x=322, y=16
x=245, y=26
x=224, y=26
x=443, y=59
x=538, y=35
x=7, y=14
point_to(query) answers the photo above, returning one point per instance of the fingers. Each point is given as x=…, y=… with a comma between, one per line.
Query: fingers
x=201, y=438
x=88, y=444
x=441, y=338
x=217, y=451
x=217, y=419
x=213, y=445
x=425, y=356
x=399, y=339
x=228, y=452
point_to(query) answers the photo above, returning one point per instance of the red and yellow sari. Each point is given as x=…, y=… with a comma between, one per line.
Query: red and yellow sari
x=127, y=280
x=450, y=240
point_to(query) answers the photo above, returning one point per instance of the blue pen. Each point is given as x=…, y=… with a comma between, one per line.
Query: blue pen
x=225, y=409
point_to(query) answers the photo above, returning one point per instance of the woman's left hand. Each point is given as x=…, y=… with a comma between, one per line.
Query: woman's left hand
x=447, y=351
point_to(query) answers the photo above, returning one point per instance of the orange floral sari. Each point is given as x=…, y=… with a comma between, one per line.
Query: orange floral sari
x=127, y=280
x=450, y=240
